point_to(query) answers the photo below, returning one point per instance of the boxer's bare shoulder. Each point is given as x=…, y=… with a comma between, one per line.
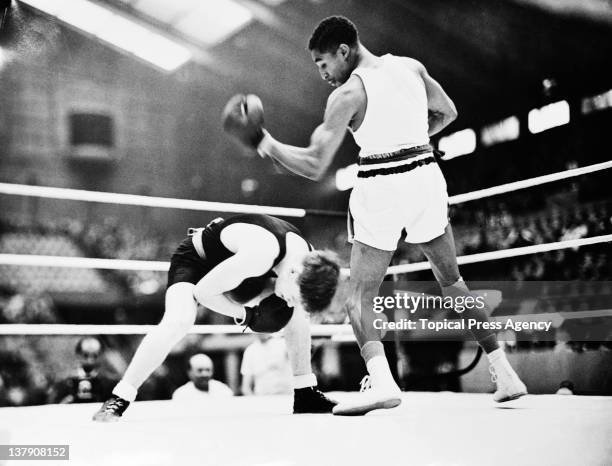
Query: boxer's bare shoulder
x=245, y=236
x=352, y=97
x=352, y=89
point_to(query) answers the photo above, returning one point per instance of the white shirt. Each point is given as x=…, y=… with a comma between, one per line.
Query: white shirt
x=396, y=115
x=189, y=392
x=269, y=365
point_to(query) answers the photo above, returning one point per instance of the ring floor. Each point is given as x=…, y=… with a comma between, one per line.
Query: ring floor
x=426, y=429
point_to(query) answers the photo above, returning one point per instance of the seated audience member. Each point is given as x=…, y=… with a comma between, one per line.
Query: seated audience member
x=88, y=384
x=265, y=367
x=201, y=384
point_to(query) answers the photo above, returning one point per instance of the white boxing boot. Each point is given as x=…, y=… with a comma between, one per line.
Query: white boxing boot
x=369, y=399
x=378, y=391
x=509, y=385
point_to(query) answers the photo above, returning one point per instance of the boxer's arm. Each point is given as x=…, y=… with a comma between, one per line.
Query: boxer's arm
x=441, y=109
x=254, y=252
x=222, y=305
x=228, y=275
x=312, y=161
x=231, y=272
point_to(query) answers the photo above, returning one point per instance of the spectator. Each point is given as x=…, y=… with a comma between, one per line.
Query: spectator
x=88, y=385
x=201, y=384
x=265, y=367
x=566, y=388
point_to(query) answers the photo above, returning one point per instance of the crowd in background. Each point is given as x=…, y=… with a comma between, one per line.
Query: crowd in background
x=476, y=231
x=90, y=372
x=486, y=226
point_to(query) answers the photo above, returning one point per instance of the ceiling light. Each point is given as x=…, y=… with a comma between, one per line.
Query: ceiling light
x=117, y=30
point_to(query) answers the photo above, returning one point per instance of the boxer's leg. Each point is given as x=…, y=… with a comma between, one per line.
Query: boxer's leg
x=299, y=345
x=368, y=268
x=306, y=397
x=442, y=256
x=179, y=315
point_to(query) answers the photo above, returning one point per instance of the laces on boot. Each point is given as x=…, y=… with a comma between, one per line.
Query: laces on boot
x=114, y=405
x=493, y=374
x=365, y=384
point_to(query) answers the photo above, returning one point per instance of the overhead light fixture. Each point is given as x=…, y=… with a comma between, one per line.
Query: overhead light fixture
x=460, y=143
x=206, y=22
x=549, y=116
x=116, y=30
x=211, y=25
x=502, y=131
x=597, y=102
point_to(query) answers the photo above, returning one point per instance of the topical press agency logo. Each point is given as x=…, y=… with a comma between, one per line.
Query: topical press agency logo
x=451, y=325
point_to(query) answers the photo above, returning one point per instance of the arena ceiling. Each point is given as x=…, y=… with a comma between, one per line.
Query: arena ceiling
x=492, y=56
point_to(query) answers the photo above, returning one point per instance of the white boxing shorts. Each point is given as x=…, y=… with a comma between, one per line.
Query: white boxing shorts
x=392, y=196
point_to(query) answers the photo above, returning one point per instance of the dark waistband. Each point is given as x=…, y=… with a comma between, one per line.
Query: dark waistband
x=403, y=154
x=397, y=169
x=196, y=239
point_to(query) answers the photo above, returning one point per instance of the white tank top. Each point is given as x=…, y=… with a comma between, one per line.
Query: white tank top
x=396, y=115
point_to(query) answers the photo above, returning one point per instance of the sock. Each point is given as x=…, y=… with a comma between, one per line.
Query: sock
x=304, y=381
x=489, y=343
x=485, y=337
x=124, y=390
x=373, y=353
x=372, y=349
x=496, y=356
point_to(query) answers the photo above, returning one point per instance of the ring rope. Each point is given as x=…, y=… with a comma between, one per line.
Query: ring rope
x=147, y=201
x=160, y=266
x=320, y=330
x=317, y=330
x=188, y=204
x=83, y=262
x=528, y=183
x=505, y=253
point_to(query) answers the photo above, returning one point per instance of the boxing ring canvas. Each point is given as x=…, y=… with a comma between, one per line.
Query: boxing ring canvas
x=426, y=429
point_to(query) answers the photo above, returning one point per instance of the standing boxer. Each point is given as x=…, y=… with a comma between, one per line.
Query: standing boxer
x=392, y=106
x=233, y=260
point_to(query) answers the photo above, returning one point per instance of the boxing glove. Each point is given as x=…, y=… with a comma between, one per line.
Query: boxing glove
x=269, y=316
x=243, y=119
